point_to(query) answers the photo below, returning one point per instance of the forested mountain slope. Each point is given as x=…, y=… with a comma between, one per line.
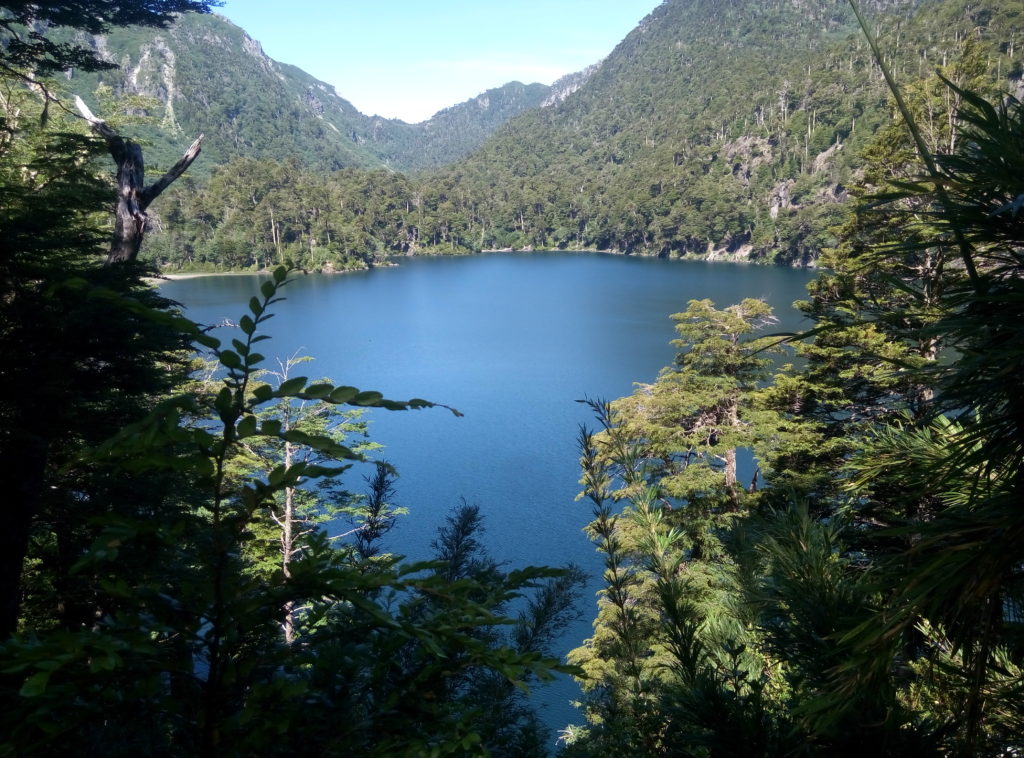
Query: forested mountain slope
x=209, y=76
x=718, y=128
x=714, y=130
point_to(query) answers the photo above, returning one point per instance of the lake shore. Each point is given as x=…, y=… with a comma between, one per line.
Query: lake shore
x=716, y=257
x=173, y=277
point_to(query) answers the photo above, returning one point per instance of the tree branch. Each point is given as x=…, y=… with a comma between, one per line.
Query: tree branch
x=153, y=191
x=98, y=125
x=133, y=197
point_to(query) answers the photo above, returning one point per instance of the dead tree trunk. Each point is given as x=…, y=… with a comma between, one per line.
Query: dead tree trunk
x=133, y=196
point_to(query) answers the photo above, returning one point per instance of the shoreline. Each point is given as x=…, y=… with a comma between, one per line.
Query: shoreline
x=177, y=276
x=161, y=278
x=393, y=261
x=173, y=277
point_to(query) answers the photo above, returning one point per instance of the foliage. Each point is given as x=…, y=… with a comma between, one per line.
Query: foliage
x=185, y=655
x=27, y=47
x=172, y=589
x=209, y=77
x=708, y=131
x=870, y=603
x=736, y=135
x=256, y=214
x=143, y=610
x=81, y=356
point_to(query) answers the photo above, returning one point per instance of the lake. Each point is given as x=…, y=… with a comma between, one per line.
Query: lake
x=512, y=340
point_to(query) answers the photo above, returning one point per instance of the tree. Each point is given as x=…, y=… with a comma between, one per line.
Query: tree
x=133, y=195
x=376, y=516
x=278, y=536
x=387, y=660
x=87, y=348
x=28, y=51
x=668, y=625
x=84, y=344
x=956, y=580
x=693, y=419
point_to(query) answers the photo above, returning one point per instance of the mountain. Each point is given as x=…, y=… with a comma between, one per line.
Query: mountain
x=714, y=130
x=208, y=76
x=453, y=133
x=722, y=129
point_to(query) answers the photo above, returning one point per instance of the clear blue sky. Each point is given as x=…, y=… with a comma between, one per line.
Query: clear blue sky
x=409, y=59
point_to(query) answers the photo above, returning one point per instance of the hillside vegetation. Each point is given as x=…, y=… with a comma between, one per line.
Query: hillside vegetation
x=187, y=570
x=721, y=130
x=723, y=133
x=203, y=74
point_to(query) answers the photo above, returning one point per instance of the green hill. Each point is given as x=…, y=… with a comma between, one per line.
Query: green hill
x=208, y=76
x=719, y=129
x=724, y=131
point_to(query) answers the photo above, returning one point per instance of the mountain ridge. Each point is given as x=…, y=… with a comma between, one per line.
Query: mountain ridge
x=718, y=132
x=210, y=76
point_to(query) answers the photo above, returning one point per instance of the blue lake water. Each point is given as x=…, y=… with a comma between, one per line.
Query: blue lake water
x=512, y=341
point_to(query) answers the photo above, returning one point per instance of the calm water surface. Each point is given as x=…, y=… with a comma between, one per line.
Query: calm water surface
x=512, y=341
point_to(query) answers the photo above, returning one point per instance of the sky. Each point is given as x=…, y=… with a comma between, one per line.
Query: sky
x=409, y=59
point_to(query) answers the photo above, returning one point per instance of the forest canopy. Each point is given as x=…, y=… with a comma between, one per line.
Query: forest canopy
x=186, y=567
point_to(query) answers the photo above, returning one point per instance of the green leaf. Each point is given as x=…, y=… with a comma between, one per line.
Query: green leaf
x=322, y=472
x=367, y=398
x=247, y=325
x=255, y=306
x=276, y=476
x=291, y=386
x=263, y=392
x=229, y=359
x=343, y=394
x=280, y=274
x=207, y=340
x=35, y=685
x=247, y=427
x=224, y=400
x=321, y=444
x=318, y=391
x=107, y=662
x=272, y=428
x=267, y=289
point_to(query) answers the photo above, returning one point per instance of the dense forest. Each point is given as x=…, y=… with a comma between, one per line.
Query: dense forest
x=203, y=74
x=731, y=135
x=188, y=568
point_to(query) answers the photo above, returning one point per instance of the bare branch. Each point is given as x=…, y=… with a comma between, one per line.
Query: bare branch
x=153, y=191
x=133, y=197
x=98, y=125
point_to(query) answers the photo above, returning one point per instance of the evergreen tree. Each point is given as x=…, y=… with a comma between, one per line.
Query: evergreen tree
x=872, y=605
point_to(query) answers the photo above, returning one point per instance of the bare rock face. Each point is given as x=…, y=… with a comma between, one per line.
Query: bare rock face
x=568, y=84
x=154, y=75
x=209, y=76
x=313, y=101
x=824, y=158
x=252, y=47
x=745, y=154
x=781, y=197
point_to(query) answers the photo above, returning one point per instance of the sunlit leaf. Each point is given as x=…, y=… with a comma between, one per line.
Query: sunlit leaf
x=291, y=386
